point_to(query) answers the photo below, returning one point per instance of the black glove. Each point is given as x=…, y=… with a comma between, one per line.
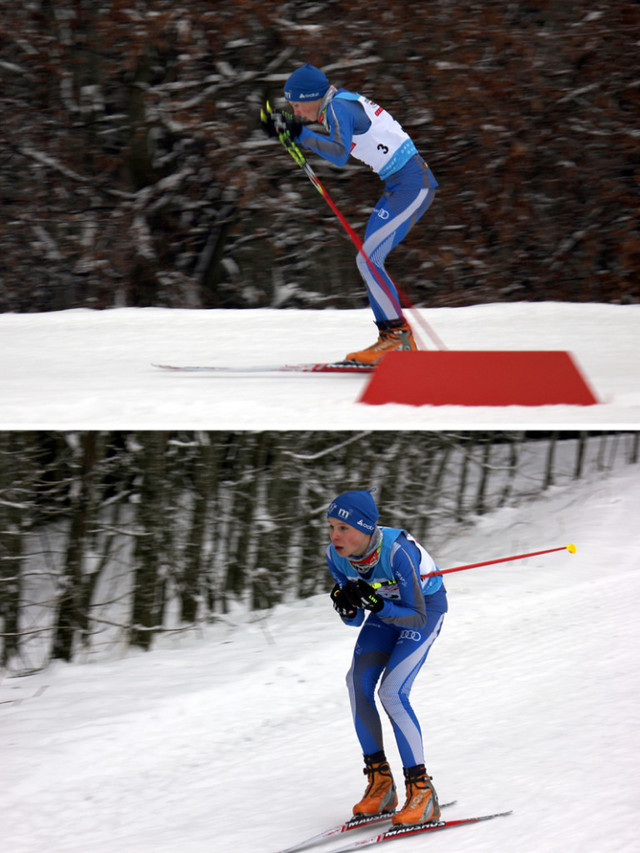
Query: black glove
x=362, y=594
x=273, y=124
x=341, y=603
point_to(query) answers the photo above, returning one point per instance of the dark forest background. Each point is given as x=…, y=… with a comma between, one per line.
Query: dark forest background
x=133, y=171
x=108, y=539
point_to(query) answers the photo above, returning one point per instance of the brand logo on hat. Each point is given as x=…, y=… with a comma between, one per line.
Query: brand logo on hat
x=302, y=96
x=357, y=509
x=306, y=84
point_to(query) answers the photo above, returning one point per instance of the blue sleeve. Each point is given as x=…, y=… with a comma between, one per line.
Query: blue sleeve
x=344, y=117
x=341, y=580
x=409, y=611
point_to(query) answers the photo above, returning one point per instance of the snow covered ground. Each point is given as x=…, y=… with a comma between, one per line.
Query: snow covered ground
x=238, y=738
x=92, y=369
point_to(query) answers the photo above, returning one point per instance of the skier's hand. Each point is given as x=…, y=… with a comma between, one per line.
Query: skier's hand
x=341, y=603
x=293, y=125
x=268, y=124
x=275, y=123
x=364, y=595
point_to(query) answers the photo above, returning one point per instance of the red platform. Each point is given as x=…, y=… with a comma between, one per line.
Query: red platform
x=487, y=378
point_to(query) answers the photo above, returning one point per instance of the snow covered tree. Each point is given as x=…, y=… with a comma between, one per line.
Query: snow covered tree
x=133, y=172
x=18, y=467
x=111, y=537
x=152, y=551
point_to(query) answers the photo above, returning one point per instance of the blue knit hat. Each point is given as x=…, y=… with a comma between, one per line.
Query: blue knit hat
x=306, y=84
x=357, y=509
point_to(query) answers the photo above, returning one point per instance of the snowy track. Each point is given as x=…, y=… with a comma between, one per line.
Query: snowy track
x=88, y=369
x=239, y=739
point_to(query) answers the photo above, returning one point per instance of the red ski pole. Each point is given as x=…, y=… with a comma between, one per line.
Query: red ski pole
x=570, y=548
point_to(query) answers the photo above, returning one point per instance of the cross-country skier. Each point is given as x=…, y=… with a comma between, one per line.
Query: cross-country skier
x=355, y=125
x=405, y=615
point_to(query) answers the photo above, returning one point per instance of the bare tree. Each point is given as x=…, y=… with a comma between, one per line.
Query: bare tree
x=75, y=584
x=18, y=471
x=133, y=171
x=121, y=536
x=150, y=549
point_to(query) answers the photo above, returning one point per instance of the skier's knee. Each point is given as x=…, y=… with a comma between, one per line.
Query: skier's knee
x=389, y=699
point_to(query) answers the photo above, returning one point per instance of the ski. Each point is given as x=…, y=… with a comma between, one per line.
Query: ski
x=403, y=831
x=352, y=823
x=317, y=367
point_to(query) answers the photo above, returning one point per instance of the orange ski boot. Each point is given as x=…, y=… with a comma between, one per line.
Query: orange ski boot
x=394, y=335
x=421, y=805
x=380, y=795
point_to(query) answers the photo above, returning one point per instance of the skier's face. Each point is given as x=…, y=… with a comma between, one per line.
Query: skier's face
x=347, y=540
x=307, y=110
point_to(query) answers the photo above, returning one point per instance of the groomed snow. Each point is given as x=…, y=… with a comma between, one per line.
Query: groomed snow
x=92, y=369
x=238, y=738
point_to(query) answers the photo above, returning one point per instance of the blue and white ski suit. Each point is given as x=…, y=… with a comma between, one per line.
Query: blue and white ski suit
x=394, y=643
x=360, y=128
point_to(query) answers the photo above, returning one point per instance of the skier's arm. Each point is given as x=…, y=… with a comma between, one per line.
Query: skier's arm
x=409, y=611
x=344, y=119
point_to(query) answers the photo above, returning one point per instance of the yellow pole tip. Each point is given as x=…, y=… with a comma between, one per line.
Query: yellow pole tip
x=571, y=549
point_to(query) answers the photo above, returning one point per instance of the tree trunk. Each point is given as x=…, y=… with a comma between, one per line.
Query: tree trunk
x=514, y=448
x=148, y=586
x=467, y=452
x=192, y=583
x=16, y=482
x=485, y=473
x=72, y=613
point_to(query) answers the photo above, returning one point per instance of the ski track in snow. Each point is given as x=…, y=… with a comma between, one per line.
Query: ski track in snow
x=238, y=737
x=92, y=369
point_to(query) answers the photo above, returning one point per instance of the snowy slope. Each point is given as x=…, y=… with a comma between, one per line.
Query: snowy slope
x=239, y=739
x=86, y=369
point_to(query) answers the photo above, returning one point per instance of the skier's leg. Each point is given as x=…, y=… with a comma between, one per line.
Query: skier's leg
x=406, y=660
x=407, y=197
x=371, y=655
x=373, y=649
